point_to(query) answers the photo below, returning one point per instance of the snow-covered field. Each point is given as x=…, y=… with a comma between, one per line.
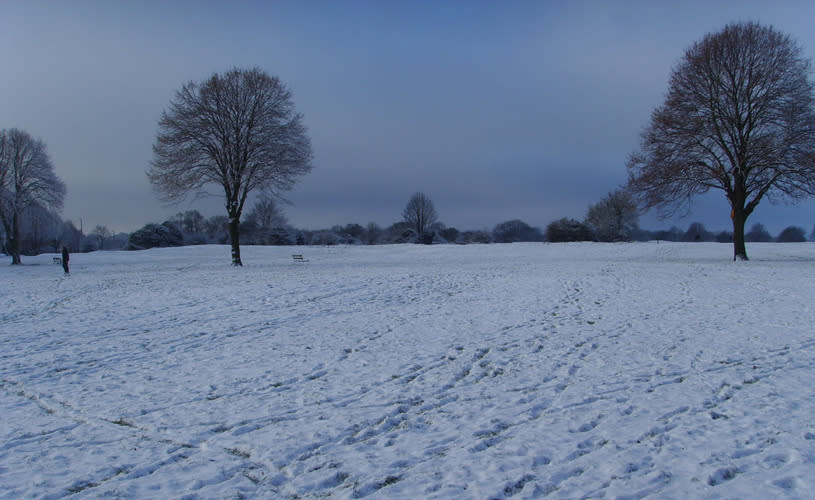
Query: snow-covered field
x=495, y=371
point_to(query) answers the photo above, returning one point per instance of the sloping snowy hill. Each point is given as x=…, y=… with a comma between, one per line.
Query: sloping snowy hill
x=403, y=372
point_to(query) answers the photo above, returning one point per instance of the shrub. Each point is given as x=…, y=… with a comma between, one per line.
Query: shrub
x=792, y=234
x=724, y=237
x=153, y=235
x=697, y=232
x=566, y=229
x=757, y=234
x=515, y=231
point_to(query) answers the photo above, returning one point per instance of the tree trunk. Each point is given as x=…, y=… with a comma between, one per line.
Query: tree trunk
x=739, y=220
x=234, y=240
x=14, y=244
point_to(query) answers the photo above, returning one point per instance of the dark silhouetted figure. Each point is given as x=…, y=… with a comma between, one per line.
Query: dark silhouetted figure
x=65, y=258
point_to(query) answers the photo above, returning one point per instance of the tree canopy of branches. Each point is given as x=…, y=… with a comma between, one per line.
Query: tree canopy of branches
x=238, y=130
x=615, y=217
x=738, y=117
x=27, y=178
x=100, y=234
x=420, y=214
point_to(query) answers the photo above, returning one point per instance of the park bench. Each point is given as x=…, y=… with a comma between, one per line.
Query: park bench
x=297, y=257
x=58, y=260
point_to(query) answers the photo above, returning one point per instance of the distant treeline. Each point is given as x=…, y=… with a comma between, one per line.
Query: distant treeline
x=191, y=228
x=44, y=232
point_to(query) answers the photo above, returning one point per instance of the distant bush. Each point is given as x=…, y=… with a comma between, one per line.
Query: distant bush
x=216, y=229
x=426, y=238
x=281, y=236
x=326, y=238
x=400, y=232
x=697, y=232
x=724, y=237
x=757, y=234
x=353, y=232
x=514, y=231
x=468, y=237
x=373, y=233
x=153, y=235
x=792, y=234
x=566, y=229
x=672, y=234
x=450, y=234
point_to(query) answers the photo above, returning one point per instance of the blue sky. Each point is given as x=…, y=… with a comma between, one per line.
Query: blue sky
x=496, y=110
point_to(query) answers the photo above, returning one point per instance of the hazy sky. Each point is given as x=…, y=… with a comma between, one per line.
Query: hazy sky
x=496, y=110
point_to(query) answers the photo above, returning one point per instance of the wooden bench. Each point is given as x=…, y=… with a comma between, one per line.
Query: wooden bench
x=298, y=257
x=58, y=260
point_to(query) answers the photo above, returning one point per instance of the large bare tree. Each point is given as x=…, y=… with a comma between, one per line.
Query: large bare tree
x=420, y=214
x=27, y=179
x=238, y=130
x=738, y=117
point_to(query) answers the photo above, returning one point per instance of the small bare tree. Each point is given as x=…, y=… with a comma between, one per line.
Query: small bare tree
x=739, y=116
x=27, y=178
x=266, y=213
x=238, y=130
x=614, y=218
x=100, y=234
x=420, y=214
x=192, y=222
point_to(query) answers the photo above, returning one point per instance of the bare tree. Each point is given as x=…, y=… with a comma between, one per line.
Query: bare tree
x=420, y=214
x=192, y=222
x=100, y=234
x=615, y=217
x=738, y=117
x=266, y=213
x=26, y=178
x=238, y=130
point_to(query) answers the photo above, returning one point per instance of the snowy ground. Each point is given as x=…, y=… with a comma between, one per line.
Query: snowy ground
x=495, y=371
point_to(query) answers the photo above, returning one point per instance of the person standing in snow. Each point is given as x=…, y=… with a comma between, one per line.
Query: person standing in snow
x=65, y=258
